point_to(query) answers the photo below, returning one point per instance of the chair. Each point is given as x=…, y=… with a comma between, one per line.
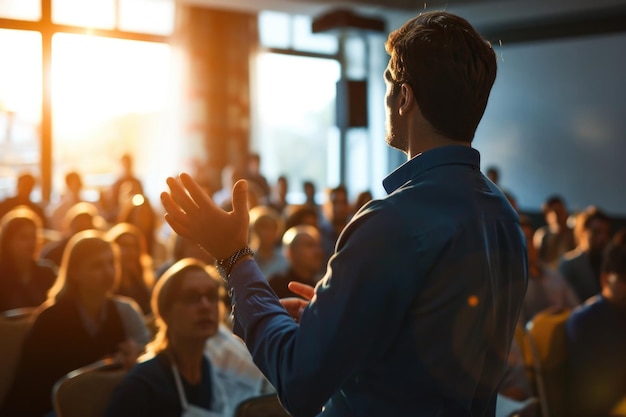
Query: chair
x=14, y=324
x=547, y=342
x=261, y=406
x=85, y=392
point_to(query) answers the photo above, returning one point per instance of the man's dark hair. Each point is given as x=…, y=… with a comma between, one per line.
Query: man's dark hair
x=449, y=66
x=594, y=213
x=552, y=200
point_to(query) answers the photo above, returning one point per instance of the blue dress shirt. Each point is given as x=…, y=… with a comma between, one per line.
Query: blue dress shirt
x=418, y=307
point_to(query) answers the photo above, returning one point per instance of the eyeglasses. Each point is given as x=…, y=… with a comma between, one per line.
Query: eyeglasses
x=193, y=298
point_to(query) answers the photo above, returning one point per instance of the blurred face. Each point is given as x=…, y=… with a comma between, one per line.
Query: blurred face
x=340, y=206
x=129, y=250
x=616, y=285
x=309, y=191
x=598, y=235
x=556, y=214
x=194, y=316
x=24, y=243
x=96, y=274
x=281, y=185
x=306, y=253
x=267, y=231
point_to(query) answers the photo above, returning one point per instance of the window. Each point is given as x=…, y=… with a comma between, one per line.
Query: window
x=20, y=104
x=295, y=132
x=20, y=9
x=91, y=114
x=284, y=31
x=108, y=98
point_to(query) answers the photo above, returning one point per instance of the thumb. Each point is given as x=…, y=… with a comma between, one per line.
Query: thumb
x=240, y=197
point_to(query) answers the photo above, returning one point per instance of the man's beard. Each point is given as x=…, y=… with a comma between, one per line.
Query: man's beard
x=396, y=142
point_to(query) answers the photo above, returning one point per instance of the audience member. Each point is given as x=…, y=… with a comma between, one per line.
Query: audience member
x=137, y=274
x=178, y=379
x=303, y=250
x=546, y=288
x=234, y=366
x=556, y=237
x=596, y=343
x=25, y=185
x=266, y=230
x=82, y=322
x=493, y=173
x=581, y=266
x=81, y=216
x=361, y=199
x=336, y=215
x=254, y=176
x=230, y=175
x=139, y=212
x=24, y=280
x=179, y=248
x=310, y=190
x=278, y=199
x=299, y=214
x=70, y=197
x=619, y=237
x=126, y=185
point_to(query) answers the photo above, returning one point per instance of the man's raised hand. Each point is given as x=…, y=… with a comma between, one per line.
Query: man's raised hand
x=192, y=214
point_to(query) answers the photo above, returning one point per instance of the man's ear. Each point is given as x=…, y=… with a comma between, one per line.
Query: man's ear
x=407, y=99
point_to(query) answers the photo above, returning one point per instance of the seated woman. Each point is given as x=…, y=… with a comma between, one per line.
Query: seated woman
x=24, y=280
x=82, y=322
x=137, y=277
x=266, y=230
x=179, y=379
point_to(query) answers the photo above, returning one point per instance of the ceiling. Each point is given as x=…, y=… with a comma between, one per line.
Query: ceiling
x=503, y=20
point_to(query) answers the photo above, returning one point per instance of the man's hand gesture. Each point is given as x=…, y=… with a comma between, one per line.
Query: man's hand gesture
x=193, y=215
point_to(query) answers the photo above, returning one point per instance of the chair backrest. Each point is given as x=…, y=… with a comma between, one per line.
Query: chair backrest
x=14, y=324
x=546, y=335
x=261, y=406
x=85, y=392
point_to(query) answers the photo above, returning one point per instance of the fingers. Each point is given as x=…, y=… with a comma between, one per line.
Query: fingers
x=294, y=306
x=301, y=289
x=179, y=194
x=196, y=192
x=174, y=216
x=240, y=196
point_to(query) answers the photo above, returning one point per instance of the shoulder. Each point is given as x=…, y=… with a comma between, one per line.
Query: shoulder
x=126, y=306
x=376, y=216
x=588, y=312
x=575, y=255
x=52, y=310
x=151, y=369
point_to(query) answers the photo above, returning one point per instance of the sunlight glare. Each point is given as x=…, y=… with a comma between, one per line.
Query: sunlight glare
x=95, y=79
x=20, y=75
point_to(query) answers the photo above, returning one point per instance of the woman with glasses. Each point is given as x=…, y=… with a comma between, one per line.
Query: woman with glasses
x=178, y=379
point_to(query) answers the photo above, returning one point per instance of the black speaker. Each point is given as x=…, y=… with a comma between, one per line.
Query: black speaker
x=351, y=109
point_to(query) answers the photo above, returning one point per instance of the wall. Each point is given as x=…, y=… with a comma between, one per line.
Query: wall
x=556, y=122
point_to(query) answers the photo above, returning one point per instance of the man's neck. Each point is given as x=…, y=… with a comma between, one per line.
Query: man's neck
x=429, y=142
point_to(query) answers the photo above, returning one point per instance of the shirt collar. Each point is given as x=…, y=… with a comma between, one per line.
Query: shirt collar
x=444, y=155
